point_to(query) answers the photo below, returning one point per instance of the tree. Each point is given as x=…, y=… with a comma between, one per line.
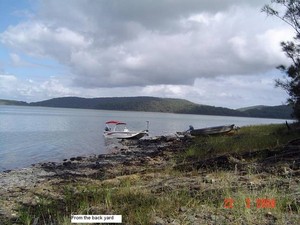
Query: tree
x=290, y=14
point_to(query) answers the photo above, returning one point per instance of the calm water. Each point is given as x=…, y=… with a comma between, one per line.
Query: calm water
x=36, y=134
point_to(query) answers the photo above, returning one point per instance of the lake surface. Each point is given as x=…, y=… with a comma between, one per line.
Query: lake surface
x=31, y=135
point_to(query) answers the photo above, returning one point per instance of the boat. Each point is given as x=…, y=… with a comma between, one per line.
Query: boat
x=117, y=129
x=209, y=130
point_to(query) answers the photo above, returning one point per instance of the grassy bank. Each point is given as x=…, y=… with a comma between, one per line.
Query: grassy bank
x=247, y=139
x=159, y=192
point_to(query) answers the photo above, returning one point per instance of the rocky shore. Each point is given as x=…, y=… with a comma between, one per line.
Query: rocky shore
x=148, y=163
x=18, y=186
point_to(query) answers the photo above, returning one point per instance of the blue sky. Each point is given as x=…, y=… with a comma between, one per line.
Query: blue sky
x=11, y=12
x=21, y=64
x=221, y=53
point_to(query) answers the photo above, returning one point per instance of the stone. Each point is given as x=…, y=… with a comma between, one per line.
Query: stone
x=158, y=221
x=183, y=209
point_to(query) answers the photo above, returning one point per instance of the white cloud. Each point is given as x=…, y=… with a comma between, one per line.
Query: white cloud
x=113, y=44
x=12, y=87
x=38, y=39
x=163, y=48
x=7, y=83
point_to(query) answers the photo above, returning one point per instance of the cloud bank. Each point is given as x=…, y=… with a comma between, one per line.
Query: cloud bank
x=139, y=43
x=212, y=52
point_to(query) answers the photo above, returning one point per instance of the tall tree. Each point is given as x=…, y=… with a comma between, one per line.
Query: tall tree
x=290, y=13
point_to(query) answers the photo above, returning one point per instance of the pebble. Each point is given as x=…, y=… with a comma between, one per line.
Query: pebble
x=269, y=215
x=183, y=209
x=159, y=221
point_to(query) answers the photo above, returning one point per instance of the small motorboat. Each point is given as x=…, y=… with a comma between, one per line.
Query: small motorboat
x=209, y=130
x=117, y=129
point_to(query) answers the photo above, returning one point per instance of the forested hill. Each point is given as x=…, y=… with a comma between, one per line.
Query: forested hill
x=149, y=104
x=153, y=104
x=12, y=102
x=281, y=111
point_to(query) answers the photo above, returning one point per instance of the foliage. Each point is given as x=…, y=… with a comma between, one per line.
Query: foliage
x=292, y=50
x=153, y=104
x=12, y=102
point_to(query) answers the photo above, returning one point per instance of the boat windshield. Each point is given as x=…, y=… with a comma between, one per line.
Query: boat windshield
x=120, y=127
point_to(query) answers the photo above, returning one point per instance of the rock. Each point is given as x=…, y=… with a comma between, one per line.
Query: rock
x=79, y=158
x=270, y=216
x=208, y=179
x=191, y=218
x=287, y=170
x=102, y=156
x=2, y=212
x=35, y=222
x=175, y=222
x=171, y=138
x=218, y=219
x=67, y=164
x=128, y=163
x=214, y=217
x=158, y=221
x=183, y=209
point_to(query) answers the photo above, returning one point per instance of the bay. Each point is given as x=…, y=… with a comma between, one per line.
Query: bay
x=31, y=135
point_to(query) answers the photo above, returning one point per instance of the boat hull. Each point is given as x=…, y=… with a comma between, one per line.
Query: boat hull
x=212, y=130
x=125, y=134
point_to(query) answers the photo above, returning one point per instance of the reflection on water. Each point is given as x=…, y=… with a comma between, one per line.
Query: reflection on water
x=36, y=134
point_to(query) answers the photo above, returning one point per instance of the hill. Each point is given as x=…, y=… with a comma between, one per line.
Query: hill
x=281, y=111
x=149, y=104
x=12, y=102
x=154, y=104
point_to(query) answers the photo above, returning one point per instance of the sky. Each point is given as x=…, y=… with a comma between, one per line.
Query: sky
x=212, y=52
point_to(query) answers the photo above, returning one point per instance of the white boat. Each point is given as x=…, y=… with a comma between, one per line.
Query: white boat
x=117, y=129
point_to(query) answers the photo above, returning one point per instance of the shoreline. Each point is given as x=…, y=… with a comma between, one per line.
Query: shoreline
x=152, y=167
x=104, y=166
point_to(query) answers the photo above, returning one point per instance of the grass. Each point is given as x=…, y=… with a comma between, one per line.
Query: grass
x=135, y=204
x=91, y=200
x=136, y=199
x=247, y=139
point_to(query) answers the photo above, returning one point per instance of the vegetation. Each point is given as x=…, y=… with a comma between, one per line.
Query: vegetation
x=152, y=104
x=249, y=138
x=282, y=111
x=291, y=84
x=12, y=102
x=190, y=196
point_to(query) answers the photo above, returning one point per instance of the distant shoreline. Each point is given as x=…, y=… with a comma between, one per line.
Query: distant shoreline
x=153, y=104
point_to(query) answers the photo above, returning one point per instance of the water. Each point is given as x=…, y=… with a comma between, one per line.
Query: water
x=38, y=134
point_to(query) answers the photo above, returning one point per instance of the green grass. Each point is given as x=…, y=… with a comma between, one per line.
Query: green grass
x=135, y=205
x=139, y=205
x=247, y=139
